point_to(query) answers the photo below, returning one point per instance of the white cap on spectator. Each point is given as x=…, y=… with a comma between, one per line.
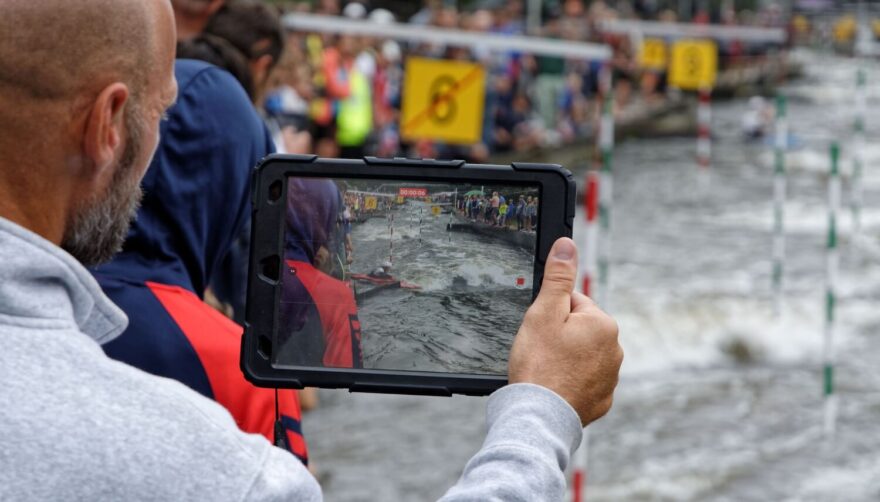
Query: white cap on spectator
x=355, y=10
x=382, y=16
x=391, y=51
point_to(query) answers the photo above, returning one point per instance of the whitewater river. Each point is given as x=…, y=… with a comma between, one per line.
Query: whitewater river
x=717, y=400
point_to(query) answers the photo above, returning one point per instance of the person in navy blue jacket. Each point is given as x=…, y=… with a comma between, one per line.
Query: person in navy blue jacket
x=196, y=201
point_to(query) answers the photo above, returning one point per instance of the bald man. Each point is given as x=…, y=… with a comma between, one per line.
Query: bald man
x=83, y=85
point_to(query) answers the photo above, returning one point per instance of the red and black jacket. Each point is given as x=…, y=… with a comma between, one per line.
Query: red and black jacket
x=196, y=202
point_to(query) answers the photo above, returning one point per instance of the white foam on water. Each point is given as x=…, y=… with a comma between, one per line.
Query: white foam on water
x=704, y=332
x=485, y=272
x=846, y=482
x=801, y=216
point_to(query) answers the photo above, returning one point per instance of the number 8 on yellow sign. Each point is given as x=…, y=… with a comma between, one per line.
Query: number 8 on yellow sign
x=694, y=64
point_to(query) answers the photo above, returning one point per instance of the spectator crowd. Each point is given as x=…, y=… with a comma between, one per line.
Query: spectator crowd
x=340, y=95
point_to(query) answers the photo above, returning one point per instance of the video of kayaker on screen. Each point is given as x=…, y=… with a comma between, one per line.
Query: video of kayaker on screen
x=396, y=275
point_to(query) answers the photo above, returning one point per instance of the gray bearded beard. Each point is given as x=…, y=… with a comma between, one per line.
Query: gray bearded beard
x=96, y=230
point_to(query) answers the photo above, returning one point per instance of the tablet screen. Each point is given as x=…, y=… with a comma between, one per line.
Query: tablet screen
x=398, y=275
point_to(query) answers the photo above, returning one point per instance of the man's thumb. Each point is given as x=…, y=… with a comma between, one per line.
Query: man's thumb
x=560, y=273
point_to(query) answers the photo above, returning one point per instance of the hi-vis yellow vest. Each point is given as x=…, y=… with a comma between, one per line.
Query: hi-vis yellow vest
x=354, y=120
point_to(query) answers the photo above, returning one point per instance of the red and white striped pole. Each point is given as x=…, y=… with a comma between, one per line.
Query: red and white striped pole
x=579, y=475
x=704, y=128
x=590, y=261
x=590, y=247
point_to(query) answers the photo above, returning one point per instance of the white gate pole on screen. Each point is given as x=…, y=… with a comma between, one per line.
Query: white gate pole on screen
x=861, y=103
x=391, y=240
x=832, y=266
x=453, y=213
x=779, y=189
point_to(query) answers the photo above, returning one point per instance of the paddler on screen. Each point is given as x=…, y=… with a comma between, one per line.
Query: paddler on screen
x=383, y=271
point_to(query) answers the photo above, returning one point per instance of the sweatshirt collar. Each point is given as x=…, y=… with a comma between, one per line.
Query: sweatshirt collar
x=42, y=286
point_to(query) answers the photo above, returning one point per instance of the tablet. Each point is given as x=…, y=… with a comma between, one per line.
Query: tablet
x=396, y=275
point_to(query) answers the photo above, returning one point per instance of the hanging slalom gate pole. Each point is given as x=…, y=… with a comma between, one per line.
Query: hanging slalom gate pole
x=832, y=265
x=605, y=147
x=453, y=212
x=779, y=188
x=858, y=151
x=704, y=128
x=391, y=240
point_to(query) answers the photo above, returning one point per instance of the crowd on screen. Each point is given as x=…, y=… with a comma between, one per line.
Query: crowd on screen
x=519, y=212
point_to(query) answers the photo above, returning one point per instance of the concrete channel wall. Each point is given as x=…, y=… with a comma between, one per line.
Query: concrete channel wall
x=522, y=239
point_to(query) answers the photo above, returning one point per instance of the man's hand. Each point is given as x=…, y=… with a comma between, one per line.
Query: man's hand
x=566, y=343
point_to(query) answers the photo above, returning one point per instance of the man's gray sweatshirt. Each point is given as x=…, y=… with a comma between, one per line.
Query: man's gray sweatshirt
x=76, y=425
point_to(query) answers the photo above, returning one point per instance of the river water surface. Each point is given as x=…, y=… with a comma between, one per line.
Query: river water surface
x=718, y=401
x=467, y=308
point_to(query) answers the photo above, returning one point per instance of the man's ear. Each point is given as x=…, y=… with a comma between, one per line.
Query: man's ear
x=260, y=70
x=104, y=126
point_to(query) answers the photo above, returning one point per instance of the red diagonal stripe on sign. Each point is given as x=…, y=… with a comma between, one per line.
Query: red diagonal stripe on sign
x=459, y=86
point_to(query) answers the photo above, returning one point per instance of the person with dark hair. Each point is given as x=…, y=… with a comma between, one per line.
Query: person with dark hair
x=253, y=31
x=191, y=16
x=253, y=28
x=220, y=53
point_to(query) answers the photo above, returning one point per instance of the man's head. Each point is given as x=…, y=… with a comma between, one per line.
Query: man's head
x=254, y=29
x=79, y=114
x=219, y=52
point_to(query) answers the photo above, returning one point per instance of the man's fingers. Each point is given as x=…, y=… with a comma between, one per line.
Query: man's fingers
x=559, y=277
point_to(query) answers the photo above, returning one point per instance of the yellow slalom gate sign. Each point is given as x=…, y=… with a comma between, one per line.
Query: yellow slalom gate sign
x=443, y=101
x=371, y=203
x=653, y=54
x=694, y=64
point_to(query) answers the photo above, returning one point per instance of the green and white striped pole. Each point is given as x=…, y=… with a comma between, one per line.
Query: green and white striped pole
x=779, y=188
x=606, y=149
x=858, y=151
x=832, y=266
